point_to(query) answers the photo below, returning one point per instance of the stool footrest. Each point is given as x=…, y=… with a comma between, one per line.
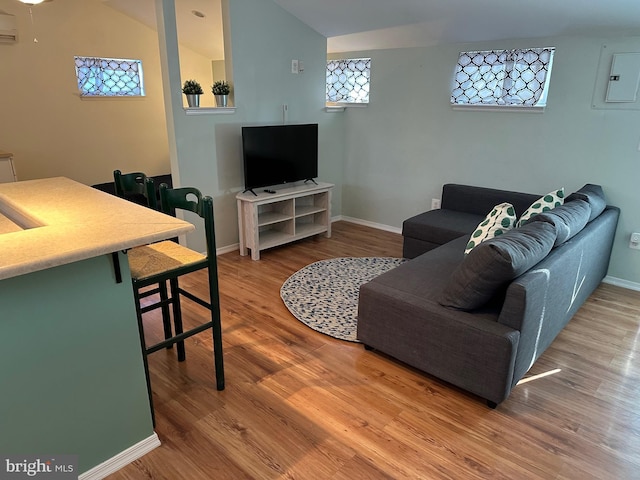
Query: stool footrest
x=179, y=337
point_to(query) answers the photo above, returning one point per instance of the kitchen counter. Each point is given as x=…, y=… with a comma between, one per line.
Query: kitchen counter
x=56, y=221
x=71, y=359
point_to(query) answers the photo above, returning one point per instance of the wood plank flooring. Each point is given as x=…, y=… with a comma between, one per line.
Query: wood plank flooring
x=301, y=405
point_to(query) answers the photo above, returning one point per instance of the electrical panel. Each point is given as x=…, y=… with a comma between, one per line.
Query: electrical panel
x=624, y=78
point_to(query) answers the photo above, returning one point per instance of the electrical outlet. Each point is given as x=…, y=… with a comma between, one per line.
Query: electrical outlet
x=435, y=203
x=634, y=242
x=294, y=66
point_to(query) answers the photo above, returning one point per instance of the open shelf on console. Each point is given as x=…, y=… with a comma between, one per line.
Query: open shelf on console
x=267, y=220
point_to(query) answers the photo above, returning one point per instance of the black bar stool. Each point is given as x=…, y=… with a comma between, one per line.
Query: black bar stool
x=167, y=260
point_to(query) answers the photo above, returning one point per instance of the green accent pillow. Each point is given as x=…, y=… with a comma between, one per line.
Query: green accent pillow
x=500, y=219
x=543, y=204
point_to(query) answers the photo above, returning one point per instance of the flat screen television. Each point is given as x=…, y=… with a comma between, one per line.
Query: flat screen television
x=277, y=154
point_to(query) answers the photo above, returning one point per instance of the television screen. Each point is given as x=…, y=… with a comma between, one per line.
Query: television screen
x=277, y=154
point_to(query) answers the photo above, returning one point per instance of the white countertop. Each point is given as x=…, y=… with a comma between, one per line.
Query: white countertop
x=54, y=221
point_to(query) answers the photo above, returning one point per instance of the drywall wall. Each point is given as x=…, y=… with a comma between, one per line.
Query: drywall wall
x=408, y=142
x=48, y=127
x=206, y=149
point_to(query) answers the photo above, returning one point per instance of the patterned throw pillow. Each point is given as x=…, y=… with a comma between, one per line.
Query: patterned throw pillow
x=543, y=204
x=498, y=221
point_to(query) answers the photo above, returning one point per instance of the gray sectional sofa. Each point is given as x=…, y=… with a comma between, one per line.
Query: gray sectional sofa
x=479, y=321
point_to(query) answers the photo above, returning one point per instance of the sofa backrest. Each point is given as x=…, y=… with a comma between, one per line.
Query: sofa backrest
x=541, y=302
x=480, y=200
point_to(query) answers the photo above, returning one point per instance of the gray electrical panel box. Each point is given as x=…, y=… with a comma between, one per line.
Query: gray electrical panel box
x=624, y=78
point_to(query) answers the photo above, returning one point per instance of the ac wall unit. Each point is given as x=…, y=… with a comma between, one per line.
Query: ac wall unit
x=8, y=28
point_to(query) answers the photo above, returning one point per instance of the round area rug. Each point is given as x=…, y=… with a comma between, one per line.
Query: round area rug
x=324, y=294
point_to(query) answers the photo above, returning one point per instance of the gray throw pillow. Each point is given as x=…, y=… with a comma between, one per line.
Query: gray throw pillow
x=594, y=196
x=493, y=263
x=568, y=219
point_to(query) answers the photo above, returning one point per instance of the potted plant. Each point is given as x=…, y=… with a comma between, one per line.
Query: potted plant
x=221, y=90
x=192, y=90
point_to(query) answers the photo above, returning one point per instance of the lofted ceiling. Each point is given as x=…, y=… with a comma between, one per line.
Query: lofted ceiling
x=202, y=34
x=352, y=25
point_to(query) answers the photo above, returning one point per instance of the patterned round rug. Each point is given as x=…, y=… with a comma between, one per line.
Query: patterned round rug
x=324, y=295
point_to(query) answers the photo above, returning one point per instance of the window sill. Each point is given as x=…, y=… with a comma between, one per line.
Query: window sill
x=498, y=108
x=340, y=107
x=111, y=97
x=209, y=110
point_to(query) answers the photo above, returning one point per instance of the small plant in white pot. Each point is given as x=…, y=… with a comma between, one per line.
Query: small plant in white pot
x=192, y=90
x=221, y=90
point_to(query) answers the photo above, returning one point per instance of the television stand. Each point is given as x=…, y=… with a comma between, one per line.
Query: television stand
x=266, y=220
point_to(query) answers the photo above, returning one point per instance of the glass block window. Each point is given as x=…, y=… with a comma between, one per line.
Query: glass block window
x=517, y=78
x=109, y=77
x=348, y=80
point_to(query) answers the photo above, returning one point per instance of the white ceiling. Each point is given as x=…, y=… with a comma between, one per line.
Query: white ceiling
x=202, y=35
x=377, y=24
x=352, y=25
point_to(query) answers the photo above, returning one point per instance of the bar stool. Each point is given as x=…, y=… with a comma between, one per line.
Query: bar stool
x=167, y=260
x=136, y=187
x=139, y=188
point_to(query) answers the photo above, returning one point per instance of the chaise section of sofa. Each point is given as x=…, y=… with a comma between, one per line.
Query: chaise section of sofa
x=462, y=208
x=398, y=314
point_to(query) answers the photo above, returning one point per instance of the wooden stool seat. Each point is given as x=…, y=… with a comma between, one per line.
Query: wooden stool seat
x=157, y=258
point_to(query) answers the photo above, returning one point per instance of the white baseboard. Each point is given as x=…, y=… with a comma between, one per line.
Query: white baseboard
x=619, y=282
x=366, y=223
x=122, y=459
x=227, y=249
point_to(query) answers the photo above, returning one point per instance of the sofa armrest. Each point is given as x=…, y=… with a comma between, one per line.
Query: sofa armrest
x=542, y=301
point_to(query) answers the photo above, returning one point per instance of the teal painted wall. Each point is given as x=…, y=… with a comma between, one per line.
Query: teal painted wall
x=262, y=39
x=408, y=142
x=70, y=364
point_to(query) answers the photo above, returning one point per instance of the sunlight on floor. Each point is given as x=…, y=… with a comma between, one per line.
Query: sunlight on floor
x=540, y=375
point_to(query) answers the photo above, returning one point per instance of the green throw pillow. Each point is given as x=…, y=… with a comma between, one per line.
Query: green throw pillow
x=543, y=204
x=500, y=219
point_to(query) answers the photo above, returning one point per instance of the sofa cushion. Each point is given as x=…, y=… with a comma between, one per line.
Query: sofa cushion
x=544, y=203
x=500, y=219
x=425, y=275
x=440, y=226
x=594, y=196
x=495, y=262
x=568, y=219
